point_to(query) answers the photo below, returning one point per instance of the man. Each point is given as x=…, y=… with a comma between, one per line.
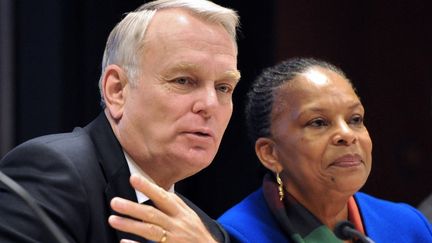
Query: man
x=169, y=70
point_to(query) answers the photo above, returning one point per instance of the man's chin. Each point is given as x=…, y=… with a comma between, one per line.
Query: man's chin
x=198, y=159
x=191, y=158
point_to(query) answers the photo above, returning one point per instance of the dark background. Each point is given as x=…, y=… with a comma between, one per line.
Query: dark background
x=383, y=46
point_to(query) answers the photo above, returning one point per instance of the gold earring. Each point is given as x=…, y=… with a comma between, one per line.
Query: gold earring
x=280, y=187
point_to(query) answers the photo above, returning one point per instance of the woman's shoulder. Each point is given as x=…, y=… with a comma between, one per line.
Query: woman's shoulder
x=382, y=205
x=372, y=205
x=250, y=206
x=251, y=221
x=392, y=220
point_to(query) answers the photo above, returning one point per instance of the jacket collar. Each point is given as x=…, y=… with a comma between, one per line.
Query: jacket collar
x=113, y=164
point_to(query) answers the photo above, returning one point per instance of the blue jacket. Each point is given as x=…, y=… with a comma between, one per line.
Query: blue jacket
x=383, y=221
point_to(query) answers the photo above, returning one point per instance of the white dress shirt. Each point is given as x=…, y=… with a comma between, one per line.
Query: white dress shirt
x=135, y=169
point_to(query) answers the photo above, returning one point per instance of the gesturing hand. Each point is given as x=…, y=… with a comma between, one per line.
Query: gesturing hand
x=171, y=221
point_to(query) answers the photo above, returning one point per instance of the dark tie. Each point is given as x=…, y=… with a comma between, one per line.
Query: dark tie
x=148, y=202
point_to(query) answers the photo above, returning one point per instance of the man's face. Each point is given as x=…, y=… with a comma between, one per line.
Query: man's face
x=174, y=119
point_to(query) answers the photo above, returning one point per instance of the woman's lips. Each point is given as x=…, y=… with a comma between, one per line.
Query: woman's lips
x=348, y=160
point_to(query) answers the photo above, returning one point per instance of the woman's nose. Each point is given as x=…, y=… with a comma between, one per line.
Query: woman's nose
x=344, y=135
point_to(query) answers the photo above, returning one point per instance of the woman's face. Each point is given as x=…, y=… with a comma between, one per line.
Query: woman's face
x=319, y=137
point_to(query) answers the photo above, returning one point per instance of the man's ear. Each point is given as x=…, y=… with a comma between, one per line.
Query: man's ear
x=114, y=90
x=266, y=152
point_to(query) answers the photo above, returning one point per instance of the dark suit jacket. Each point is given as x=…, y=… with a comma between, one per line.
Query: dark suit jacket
x=73, y=176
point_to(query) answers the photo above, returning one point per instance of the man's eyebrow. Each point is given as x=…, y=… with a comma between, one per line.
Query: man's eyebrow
x=180, y=67
x=232, y=75
x=188, y=67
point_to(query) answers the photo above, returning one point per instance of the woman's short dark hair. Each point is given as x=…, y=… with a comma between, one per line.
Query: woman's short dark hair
x=261, y=95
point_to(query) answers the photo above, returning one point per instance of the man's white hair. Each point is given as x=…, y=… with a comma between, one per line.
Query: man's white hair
x=126, y=41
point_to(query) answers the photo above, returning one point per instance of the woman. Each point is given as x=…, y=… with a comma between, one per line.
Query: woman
x=307, y=125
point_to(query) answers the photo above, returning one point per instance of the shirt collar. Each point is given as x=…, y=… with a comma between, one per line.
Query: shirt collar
x=135, y=169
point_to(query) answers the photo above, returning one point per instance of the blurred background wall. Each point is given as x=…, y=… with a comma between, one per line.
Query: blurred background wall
x=51, y=50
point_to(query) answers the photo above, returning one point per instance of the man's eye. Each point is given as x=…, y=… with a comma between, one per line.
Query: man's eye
x=317, y=123
x=182, y=80
x=224, y=88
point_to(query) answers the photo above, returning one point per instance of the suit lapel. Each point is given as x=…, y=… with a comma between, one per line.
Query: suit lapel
x=113, y=164
x=116, y=171
x=118, y=186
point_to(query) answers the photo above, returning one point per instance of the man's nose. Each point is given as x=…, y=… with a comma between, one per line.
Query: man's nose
x=206, y=101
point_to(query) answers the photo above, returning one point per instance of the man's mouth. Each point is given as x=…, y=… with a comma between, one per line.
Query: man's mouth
x=203, y=134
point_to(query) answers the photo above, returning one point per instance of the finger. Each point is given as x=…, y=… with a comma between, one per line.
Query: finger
x=167, y=202
x=145, y=230
x=142, y=212
x=128, y=241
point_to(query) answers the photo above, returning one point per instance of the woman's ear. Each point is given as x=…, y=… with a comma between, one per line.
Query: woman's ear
x=114, y=90
x=266, y=151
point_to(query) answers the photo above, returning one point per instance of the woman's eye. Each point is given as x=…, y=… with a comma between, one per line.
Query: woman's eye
x=318, y=123
x=357, y=120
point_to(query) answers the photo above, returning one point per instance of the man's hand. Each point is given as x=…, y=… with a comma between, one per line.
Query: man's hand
x=171, y=221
